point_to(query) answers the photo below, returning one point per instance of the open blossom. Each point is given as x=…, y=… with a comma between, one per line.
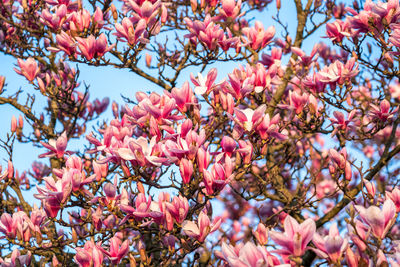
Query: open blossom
x=118, y=249
x=341, y=124
x=16, y=259
x=89, y=255
x=64, y=43
x=205, y=31
x=230, y=9
x=379, y=219
x=382, y=113
x=248, y=118
x=28, y=68
x=394, y=195
x=128, y=32
x=91, y=47
x=56, y=147
x=339, y=73
x=203, y=227
x=295, y=238
x=55, y=20
x=331, y=246
x=257, y=37
x=204, y=84
x=337, y=30
x=249, y=255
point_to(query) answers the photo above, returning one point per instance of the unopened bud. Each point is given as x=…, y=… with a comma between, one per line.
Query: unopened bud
x=20, y=122
x=2, y=82
x=13, y=124
x=148, y=60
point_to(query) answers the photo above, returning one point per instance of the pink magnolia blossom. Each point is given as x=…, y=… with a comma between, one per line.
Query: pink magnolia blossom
x=54, y=195
x=341, y=124
x=261, y=234
x=56, y=147
x=394, y=195
x=178, y=208
x=17, y=259
x=382, y=113
x=331, y=246
x=128, y=32
x=337, y=31
x=117, y=251
x=380, y=220
x=204, y=85
x=206, y=32
x=28, y=68
x=184, y=97
x=219, y=176
x=298, y=102
x=90, y=255
x=257, y=37
x=340, y=162
x=268, y=128
x=249, y=119
x=186, y=169
x=203, y=227
x=91, y=47
x=55, y=20
x=249, y=255
x=230, y=9
x=80, y=20
x=295, y=238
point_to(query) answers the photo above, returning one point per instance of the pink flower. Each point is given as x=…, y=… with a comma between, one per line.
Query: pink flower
x=248, y=118
x=219, y=176
x=23, y=260
x=230, y=9
x=331, y=246
x=295, y=238
x=395, y=197
x=203, y=227
x=380, y=220
x=127, y=32
x=340, y=123
x=178, y=208
x=55, y=194
x=340, y=163
x=298, y=102
x=56, y=20
x=228, y=145
x=257, y=37
x=28, y=68
x=9, y=225
x=186, y=169
x=89, y=256
x=64, y=43
x=141, y=210
x=268, y=128
x=13, y=124
x=261, y=234
x=91, y=47
x=183, y=96
x=57, y=147
x=337, y=30
x=382, y=113
x=249, y=255
x=117, y=250
x=204, y=85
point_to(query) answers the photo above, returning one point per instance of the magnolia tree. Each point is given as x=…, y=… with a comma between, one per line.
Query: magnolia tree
x=290, y=160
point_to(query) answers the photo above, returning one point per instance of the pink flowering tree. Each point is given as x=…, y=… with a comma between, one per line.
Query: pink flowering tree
x=290, y=159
